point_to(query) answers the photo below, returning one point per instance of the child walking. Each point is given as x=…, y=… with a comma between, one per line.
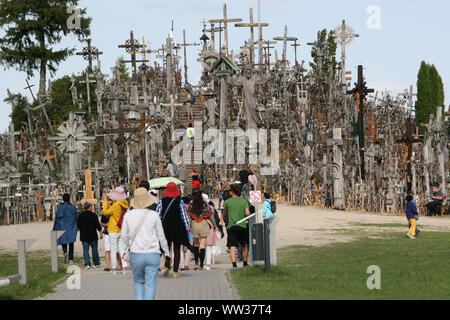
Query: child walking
x=412, y=216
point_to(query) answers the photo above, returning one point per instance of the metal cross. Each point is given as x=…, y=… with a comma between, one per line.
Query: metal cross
x=89, y=53
x=344, y=35
x=132, y=46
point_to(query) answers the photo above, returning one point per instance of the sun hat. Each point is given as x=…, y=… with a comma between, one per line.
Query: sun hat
x=142, y=199
x=171, y=191
x=118, y=194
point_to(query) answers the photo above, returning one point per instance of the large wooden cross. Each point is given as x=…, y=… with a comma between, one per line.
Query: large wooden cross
x=252, y=25
x=132, y=46
x=146, y=51
x=285, y=40
x=225, y=22
x=185, y=45
x=213, y=31
x=89, y=53
x=88, y=193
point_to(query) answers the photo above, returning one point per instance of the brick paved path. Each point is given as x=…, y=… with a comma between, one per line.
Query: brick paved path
x=97, y=284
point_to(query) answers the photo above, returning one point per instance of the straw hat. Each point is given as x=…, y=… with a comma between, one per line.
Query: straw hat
x=142, y=199
x=118, y=194
x=171, y=191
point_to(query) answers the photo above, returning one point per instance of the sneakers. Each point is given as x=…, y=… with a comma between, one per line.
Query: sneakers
x=176, y=275
x=96, y=266
x=166, y=272
x=410, y=236
x=196, y=267
x=234, y=267
x=87, y=267
x=66, y=258
x=207, y=268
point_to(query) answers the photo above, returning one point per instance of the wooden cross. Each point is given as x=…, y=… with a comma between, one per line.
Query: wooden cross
x=12, y=140
x=361, y=91
x=89, y=53
x=39, y=197
x=88, y=193
x=132, y=46
x=184, y=44
x=225, y=21
x=29, y=88
x=172, y=106
x=42, y=107
x=252, y=25
x=87, y=81
x=295, y=45
x=145, y=51
x=213, y=30
x=267, y=53
x=285, y=39
x=409, y=95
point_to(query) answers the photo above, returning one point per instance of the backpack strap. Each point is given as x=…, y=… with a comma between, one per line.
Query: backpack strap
x=167, y=209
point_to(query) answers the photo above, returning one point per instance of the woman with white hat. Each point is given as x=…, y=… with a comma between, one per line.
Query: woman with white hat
x=143, y=233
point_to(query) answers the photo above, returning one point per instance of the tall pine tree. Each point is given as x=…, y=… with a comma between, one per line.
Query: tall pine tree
x=33, y=28
x=430, y=93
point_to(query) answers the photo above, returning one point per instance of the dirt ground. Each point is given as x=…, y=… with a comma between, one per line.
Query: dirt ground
x=297, y=226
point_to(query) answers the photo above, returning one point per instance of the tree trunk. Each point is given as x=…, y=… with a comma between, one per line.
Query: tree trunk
x=43, y=78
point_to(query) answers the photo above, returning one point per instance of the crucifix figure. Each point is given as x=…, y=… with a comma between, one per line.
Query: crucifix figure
x=252, y=25
x=184, y=45
x=225, y=21
x=344, y=35
x=89, y=53
x=132, y=46
x=361, y=91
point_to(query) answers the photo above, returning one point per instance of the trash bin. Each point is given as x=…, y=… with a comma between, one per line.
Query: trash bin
x=257, y=242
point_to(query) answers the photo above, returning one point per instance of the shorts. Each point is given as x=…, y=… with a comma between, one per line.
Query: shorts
x=191, y=140
x=237, y=235
x=106, y=241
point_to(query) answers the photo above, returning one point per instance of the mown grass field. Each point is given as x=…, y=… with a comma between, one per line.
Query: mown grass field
x=41, y=280
x=410, y=269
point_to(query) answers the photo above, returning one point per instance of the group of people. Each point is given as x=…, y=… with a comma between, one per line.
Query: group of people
x=433, y=208
x=157, y=231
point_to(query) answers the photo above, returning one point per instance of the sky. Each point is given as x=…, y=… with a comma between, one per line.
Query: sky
x=394, y=35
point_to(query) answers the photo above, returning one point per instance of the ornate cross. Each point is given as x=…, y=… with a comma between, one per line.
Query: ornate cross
x=89, y=53
x=344, y=35
x=132, y=46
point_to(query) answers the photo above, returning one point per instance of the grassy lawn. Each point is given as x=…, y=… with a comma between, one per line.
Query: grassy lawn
x=410, y=269
x=41, y=280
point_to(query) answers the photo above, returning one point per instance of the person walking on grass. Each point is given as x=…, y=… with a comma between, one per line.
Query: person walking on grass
x=89, y=225
x=176, y=225
x=234, y=210
x=115, y=206
x=143, y=234
x=202, y=223
x=412, y=216
x=66, y=219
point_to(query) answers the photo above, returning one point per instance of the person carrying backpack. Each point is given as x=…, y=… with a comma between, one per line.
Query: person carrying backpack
x=269, y=207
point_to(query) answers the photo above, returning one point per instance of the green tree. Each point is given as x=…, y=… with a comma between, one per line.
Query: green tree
x=430, y=93
x=122, y=68
x=328, y=49
x=33, y=28
x=18, y=114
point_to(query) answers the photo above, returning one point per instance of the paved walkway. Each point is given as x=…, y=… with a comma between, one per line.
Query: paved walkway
x=97, y=284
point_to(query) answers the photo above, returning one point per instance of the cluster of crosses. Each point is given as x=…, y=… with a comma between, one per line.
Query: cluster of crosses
x=339, y=146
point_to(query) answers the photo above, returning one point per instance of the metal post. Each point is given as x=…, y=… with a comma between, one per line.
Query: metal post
x=251, y=222
x=54, y=246
x=266, y=245
x=273, y=246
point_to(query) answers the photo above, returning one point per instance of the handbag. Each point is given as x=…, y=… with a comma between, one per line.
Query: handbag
x=211, y=239
x=126, y=255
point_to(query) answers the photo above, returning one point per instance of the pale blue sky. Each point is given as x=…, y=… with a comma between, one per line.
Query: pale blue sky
x=411, y=31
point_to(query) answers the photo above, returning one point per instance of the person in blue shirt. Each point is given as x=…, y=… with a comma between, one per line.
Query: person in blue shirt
x=66, y=219
x=266, y=212
x=411, y=215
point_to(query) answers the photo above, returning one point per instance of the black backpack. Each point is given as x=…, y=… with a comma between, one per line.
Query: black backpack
x=273, y=206
x=192, y=99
